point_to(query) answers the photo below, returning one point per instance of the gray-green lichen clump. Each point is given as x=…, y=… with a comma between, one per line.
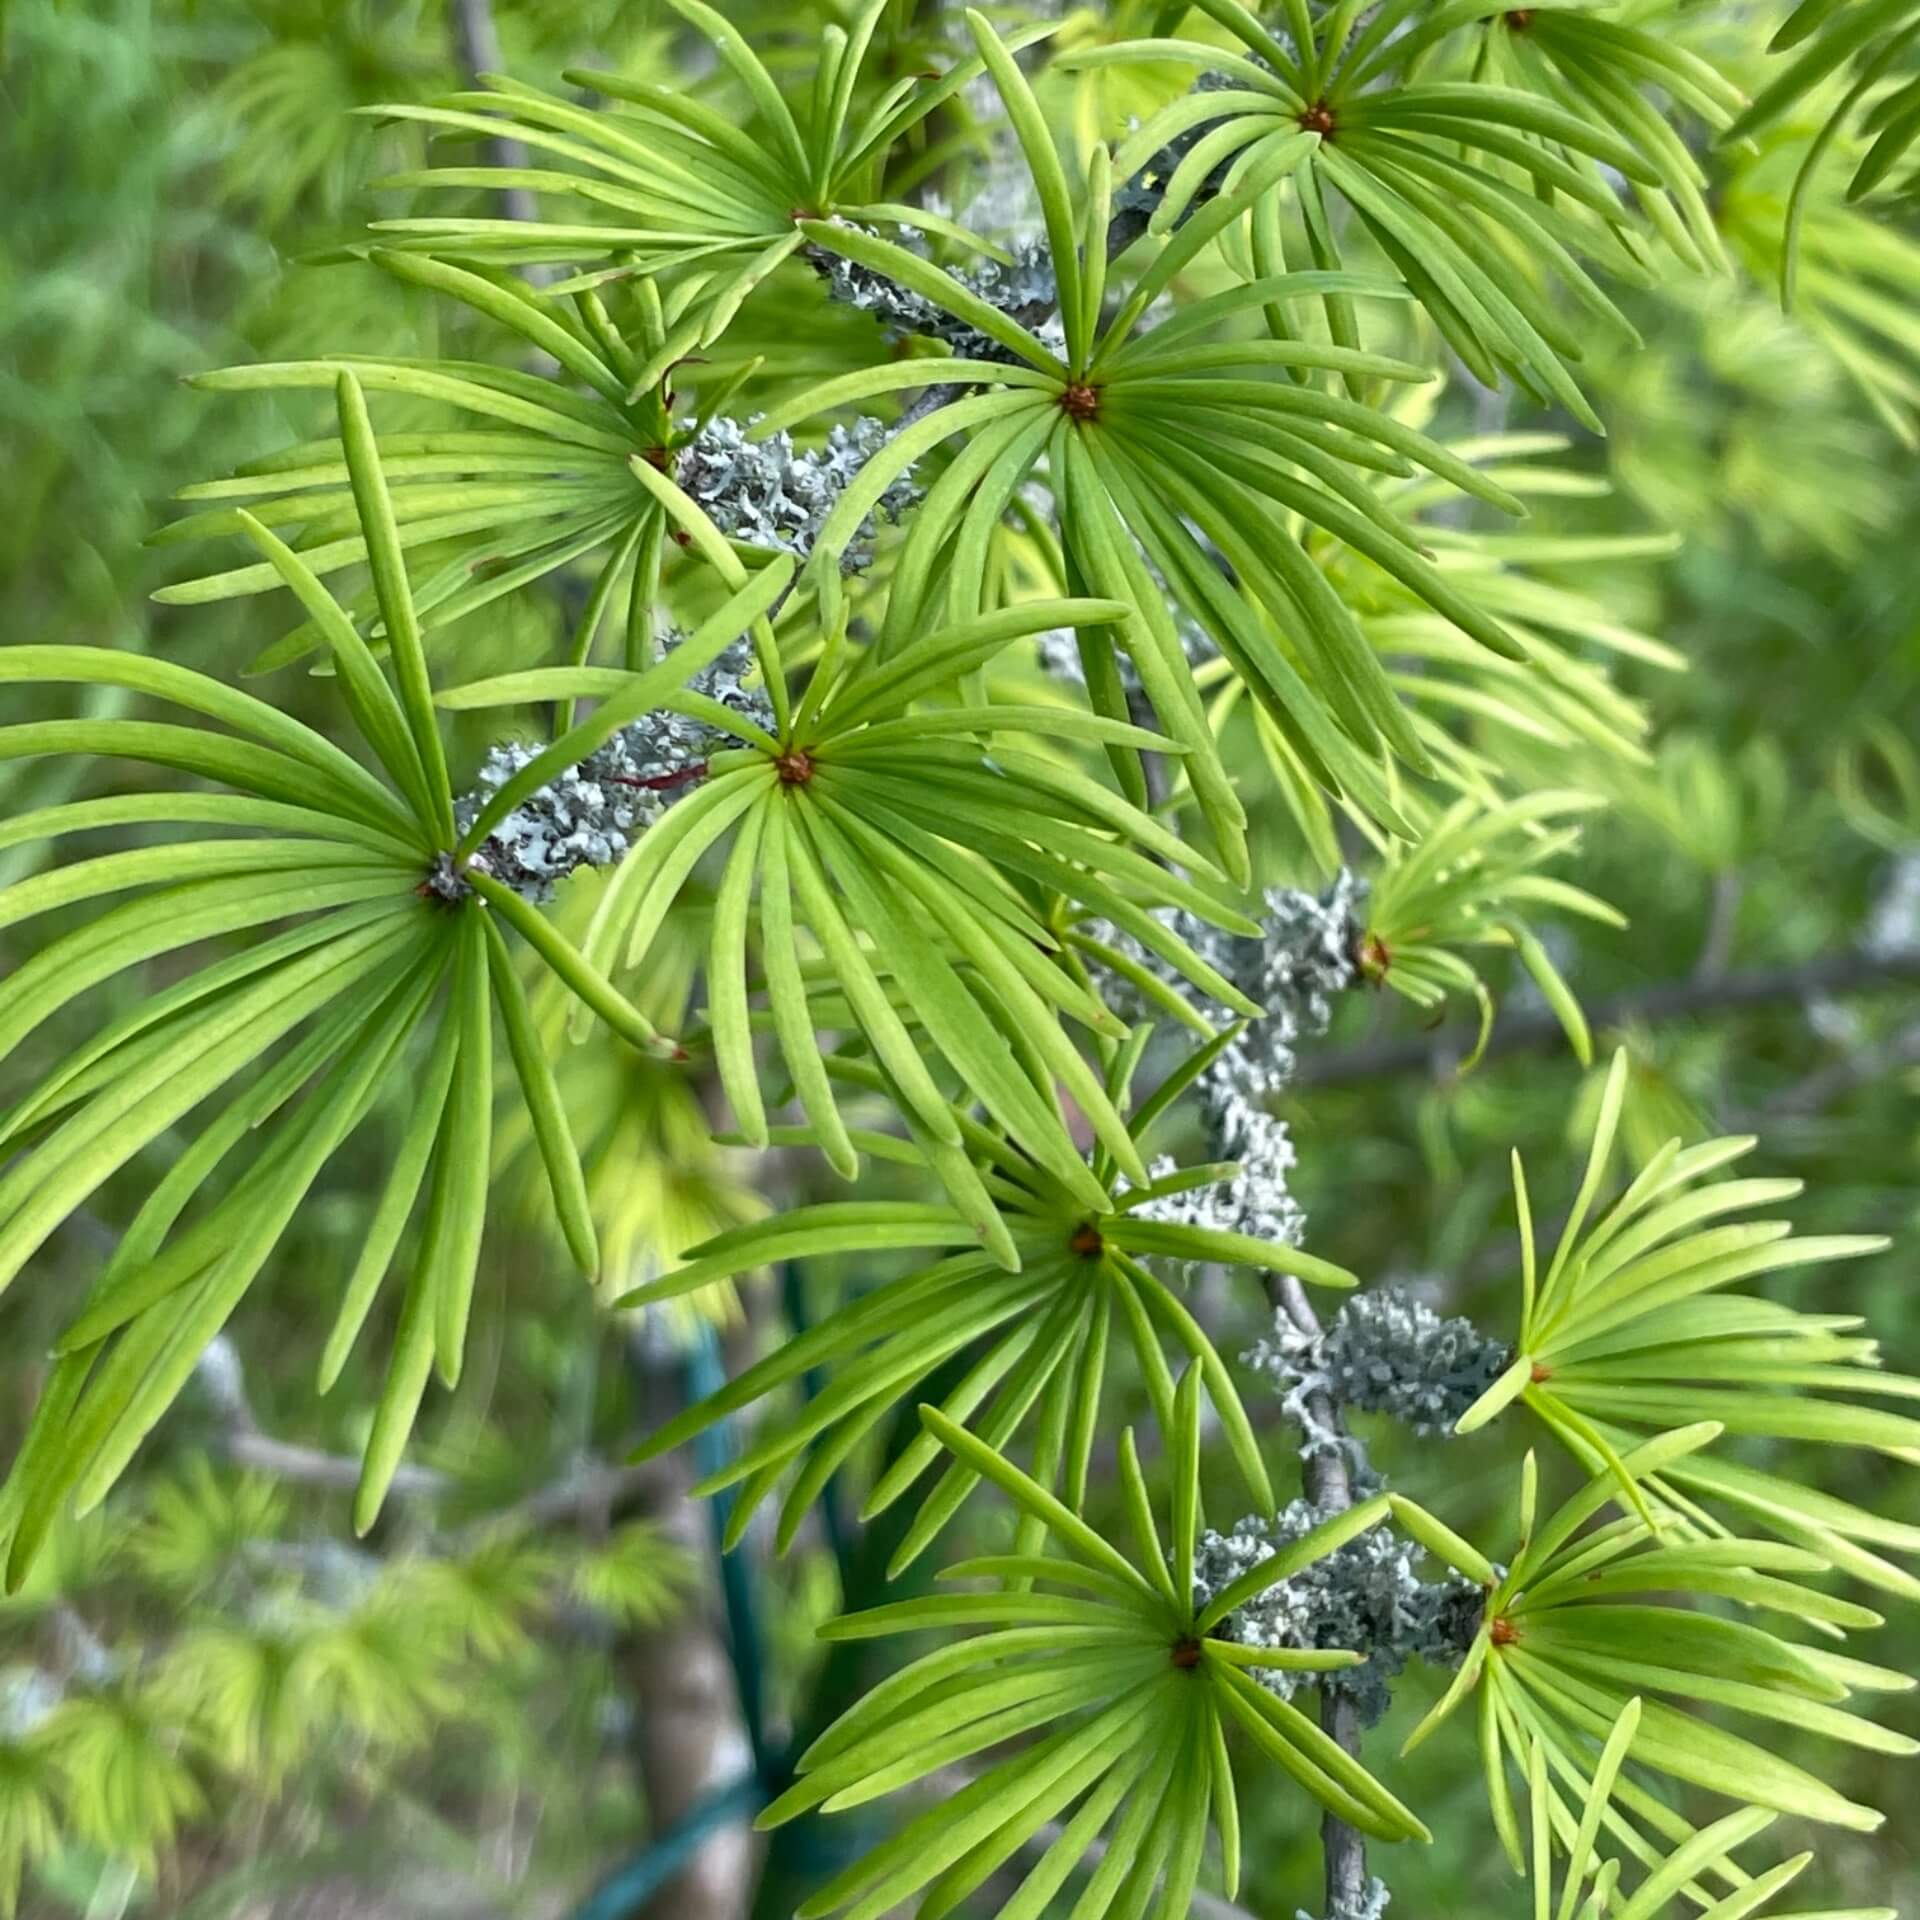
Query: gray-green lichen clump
x=1385, y=1351
x=1367, y=1597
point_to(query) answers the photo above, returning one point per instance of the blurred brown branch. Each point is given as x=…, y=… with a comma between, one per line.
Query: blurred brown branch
x=1833, y=973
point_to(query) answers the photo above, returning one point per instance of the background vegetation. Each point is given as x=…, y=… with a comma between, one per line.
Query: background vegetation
x=208, y=1704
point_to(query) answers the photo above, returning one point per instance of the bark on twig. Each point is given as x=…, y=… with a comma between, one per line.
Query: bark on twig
x=1330, y=1487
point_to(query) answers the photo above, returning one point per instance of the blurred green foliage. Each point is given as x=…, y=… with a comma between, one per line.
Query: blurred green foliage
x=203, y=1702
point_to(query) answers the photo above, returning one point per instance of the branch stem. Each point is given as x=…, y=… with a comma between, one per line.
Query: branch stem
x=1329, y=1485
